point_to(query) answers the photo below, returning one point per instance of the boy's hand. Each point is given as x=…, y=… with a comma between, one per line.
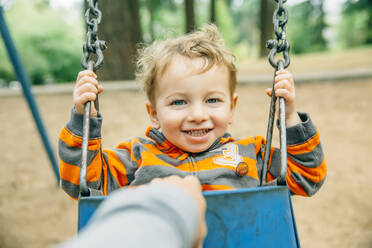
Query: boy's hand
x=284, y=87
x=86, y=89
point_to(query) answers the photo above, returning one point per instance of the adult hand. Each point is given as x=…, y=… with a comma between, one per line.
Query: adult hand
x=191, y=185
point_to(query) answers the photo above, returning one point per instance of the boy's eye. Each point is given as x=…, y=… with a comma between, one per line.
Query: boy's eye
x=178, y=102
x=212, y=100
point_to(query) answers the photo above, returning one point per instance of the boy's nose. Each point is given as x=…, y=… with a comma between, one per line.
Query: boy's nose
x=197, y=114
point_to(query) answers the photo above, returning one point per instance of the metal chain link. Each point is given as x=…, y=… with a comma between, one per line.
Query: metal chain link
x=93, y=44
x=277, y=45
x=280, y=43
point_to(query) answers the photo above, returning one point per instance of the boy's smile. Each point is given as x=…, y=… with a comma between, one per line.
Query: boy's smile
x=192, y=108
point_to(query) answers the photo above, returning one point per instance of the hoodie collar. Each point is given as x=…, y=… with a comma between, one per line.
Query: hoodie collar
x=173, y=151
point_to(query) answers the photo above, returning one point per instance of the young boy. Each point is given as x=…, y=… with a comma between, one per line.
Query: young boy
x=190, y=84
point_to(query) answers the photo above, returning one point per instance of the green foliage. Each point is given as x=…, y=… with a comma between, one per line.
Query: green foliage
x=305, y=27
x=246, y=22
x=49, y=47
x=169, y=19
x=168, y=23
x=225, y=23
x=161, y=19
x=355, y=26
x=224, y=20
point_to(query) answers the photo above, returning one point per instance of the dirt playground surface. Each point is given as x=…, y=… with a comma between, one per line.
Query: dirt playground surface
x=34, y=212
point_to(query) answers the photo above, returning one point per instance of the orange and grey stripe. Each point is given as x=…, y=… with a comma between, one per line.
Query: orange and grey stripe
x=138, y=161
x=307, y=169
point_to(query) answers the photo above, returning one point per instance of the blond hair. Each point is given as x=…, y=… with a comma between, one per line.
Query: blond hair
x=206, y=44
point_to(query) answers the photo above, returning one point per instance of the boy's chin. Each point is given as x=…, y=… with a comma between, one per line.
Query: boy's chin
x=196, y=149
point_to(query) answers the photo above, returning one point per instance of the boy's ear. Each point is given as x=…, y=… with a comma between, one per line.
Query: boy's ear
x=234, y=101
x=152, y=114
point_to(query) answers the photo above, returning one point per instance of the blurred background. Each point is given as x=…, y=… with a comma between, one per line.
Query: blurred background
x=50, y=34
x=331, y=60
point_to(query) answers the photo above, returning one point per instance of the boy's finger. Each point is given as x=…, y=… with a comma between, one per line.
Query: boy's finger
x=86, y=73
x=284, y=77
x=283, y=84
x=88, y=96
x=285, y=94
x=83, y=98
x=86, y=88
x=100, y=88
x=81, y=91
x=282, y=71
x=268, y=91
x=87, y=79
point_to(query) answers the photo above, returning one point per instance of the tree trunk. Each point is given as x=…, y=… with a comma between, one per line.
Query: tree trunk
x=150, y=8
x=190, y=15
x=213, y=11
x=369, y=29
x=266, y=25
x=322, y=25
x=121, y=29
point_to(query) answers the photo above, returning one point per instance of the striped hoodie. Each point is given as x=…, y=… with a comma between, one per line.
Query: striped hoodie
x=228, y=164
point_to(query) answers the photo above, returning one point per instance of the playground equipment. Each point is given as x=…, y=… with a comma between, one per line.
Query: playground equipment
x=253, y=217
x=25, y=82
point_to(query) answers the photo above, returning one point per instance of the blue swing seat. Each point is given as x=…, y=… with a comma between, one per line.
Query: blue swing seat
x=252, y=217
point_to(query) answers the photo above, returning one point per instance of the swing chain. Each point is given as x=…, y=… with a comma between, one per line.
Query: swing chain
x=280, y=43
x=93, y=44
x=277, y=45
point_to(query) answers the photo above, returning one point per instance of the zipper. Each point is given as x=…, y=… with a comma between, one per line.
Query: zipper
x=193, y=172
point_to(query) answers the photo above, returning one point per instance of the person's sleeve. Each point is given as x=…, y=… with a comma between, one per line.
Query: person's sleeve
x=107, y=169
x=306, y=165
x=150, y=216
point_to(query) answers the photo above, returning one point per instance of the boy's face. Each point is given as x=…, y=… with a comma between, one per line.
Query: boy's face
x=192, y=109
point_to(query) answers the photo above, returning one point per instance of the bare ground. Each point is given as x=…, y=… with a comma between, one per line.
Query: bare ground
x=34, y=212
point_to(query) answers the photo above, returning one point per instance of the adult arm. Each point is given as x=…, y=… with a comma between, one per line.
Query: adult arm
x=158, y=215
